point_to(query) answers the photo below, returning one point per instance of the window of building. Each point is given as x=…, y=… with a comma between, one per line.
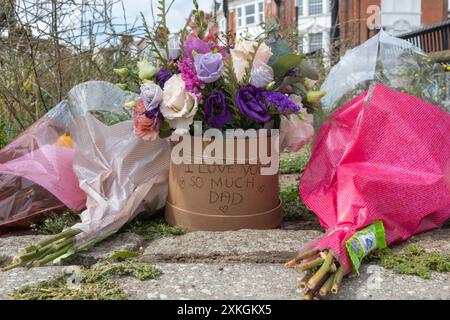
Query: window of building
x=301, y=38
x=315, y=7
x=239, y=17
x=300, y=8
x=261, y=12
x=250, y=14
x=315, y=41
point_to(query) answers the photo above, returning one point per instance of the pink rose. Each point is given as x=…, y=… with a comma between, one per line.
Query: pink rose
x=296, y=130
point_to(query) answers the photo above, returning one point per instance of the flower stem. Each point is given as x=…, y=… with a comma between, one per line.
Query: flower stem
x=304, y=281
x=65, y=234
x=326, y=288
x=311, y=264
x=322, y=272
x=301, y=257
x=52, y=256
x=337, y=280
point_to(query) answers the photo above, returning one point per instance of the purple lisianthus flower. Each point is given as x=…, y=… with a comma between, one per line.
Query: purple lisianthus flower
x=196, y=45
x=162, y=76
x=250, y=103
x=152, y=95
x=208, y=66
x=217, y=113
x=280, y=101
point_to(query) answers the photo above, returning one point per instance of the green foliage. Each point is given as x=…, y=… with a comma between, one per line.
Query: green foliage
x=112, y=118
x=107, y=271
x=96, y=284
x=279, y=49
x=286, y=63
x=308, y=70
x=297, y=164
x=121, y=255
x=293, y=207
x=56, y=222
x=413, y=260
x=251, y=60
x=152, y=230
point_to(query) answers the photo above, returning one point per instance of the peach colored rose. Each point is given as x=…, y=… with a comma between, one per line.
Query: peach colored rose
x=241, y=55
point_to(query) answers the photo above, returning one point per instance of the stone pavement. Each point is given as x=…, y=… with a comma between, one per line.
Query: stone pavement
x=245, y=264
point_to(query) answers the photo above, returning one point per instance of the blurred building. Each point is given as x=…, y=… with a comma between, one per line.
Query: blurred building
x=397, y=17
x=320, y=22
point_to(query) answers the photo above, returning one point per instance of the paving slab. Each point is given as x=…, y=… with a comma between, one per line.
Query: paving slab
x=259, y=246
x=249, y=281
x=16, y=278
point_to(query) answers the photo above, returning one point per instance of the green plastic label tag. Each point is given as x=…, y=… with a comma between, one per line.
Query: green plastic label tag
x=365, y=241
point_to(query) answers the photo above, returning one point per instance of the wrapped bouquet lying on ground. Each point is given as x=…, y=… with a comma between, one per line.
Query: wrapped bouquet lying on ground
x=379, y=170
x=120, y=175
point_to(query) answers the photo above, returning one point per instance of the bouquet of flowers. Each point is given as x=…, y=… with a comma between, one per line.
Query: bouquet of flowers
x=222, y=83
x=368, y=177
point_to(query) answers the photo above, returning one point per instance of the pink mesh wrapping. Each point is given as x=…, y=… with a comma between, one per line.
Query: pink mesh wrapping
x=383, y=156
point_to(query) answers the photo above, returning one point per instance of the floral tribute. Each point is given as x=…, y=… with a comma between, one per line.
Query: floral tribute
x=223, y=83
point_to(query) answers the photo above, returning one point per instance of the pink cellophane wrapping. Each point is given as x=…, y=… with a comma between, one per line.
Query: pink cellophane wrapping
x=383, y=156
x=36, y=174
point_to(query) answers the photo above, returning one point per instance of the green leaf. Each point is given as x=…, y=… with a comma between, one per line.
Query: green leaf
x=308, y=70
x=290, y=81
x=279, y=48
x=299, y=89
x=123, y=254
x=285, y=64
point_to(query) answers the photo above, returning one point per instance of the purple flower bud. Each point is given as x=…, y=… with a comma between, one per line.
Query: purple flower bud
x=280, y=101
x=217, y=113
x=162, y=76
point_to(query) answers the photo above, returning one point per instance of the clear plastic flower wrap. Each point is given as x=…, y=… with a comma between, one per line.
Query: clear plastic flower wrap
x=119, y=175
x=395, y=63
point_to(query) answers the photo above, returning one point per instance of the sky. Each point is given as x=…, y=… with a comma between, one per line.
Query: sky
x=176, y=18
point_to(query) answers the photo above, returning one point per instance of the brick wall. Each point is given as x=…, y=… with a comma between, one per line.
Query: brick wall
x=434, y=11
x=353, y=21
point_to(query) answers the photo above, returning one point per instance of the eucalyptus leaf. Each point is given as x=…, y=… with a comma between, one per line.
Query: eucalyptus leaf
x=285, y=64
x=299, y=89
x=308, y=70
x=291, y=80
x=279, y=48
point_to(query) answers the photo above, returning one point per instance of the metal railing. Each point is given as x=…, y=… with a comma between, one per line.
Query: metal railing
x=430, y=39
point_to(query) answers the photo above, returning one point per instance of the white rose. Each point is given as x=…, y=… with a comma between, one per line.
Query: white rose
x=179, y=106
x=241, y=55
